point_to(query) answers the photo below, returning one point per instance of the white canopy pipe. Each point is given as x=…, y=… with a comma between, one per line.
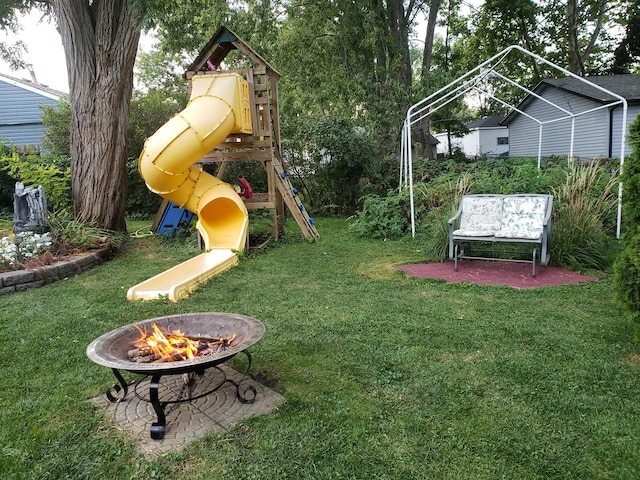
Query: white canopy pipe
x=427, y=110
x=501, y=56
x=540, y=145
x=624, y=128
x=530, y=92
x=402, y=162
x=579, y=114
x=406, y=153
x=573, y=136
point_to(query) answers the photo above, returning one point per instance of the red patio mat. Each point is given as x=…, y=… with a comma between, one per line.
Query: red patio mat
x=517, y=275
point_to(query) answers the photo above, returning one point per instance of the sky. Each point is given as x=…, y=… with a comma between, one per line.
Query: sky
x=45, y=52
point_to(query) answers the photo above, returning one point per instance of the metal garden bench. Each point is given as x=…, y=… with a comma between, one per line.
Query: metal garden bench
x=523, y=219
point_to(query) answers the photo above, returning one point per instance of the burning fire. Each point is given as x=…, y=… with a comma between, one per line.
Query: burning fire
x=160, y=347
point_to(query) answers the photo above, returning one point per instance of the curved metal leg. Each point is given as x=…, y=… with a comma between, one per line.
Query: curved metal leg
x=241, y=396
x=158, y=428
x=121, y=386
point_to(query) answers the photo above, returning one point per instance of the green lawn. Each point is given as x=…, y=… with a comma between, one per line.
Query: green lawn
x=385, y=376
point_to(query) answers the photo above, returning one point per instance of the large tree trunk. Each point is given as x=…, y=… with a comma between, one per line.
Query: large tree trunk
x=423, y=130
x=434, y=8
x=100, y=41
x=399, y=29
x=577, y=58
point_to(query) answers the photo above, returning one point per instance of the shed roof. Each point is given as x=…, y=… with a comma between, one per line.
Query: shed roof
x=487, y=122
x=28, y=85
x=220, y=45
x=626, y=85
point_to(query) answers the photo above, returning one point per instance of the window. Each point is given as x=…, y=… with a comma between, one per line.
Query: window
x=503, y=140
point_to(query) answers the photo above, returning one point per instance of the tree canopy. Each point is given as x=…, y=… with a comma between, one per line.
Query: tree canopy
x=358, y=63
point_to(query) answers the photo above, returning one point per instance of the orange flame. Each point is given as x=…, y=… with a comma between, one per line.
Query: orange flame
x=175, y=344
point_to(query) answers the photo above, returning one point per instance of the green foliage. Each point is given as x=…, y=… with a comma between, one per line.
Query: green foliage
x=626, y=57
x=57, y=120
x=379, y=217
x=631, y=178
x=141, y=201
x=152, y=108
x=627, y=265
x=7, y=188
x=148, y=111
x=626, y=278
x=52, y=171
x=69, y=232
x=582, y=206
x=435, y=231
x=337, y=159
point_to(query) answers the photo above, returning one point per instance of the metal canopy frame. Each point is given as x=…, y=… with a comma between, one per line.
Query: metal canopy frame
x=476, y=80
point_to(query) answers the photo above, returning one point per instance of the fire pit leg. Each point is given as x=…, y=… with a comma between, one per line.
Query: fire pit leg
x=122, y=387
x=240, y=396
x=158, y=428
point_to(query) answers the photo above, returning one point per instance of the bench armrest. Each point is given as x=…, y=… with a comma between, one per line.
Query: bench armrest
x=453, y=222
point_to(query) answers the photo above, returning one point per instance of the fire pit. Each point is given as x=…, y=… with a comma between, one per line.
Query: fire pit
x=219, y=337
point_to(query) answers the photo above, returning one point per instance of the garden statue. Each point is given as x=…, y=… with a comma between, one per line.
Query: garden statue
x=29, y=209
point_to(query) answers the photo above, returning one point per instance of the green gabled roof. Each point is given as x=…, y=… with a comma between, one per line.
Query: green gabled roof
x=217, y=49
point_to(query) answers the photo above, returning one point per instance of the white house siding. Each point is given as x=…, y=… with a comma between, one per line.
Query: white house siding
x=489, y=141
x=471, y=143
x=591, y=132
x=478, y=142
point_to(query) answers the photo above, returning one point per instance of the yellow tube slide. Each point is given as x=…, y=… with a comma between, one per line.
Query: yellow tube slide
x=218, y=107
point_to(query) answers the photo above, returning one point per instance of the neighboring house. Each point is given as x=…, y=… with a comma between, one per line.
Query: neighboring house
x=596, y=134
x=20, y=113
x=486, y=138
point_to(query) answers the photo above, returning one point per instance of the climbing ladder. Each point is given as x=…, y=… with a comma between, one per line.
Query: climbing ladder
x=292, y=201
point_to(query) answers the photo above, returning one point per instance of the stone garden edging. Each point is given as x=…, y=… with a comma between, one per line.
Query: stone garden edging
x=21, y=280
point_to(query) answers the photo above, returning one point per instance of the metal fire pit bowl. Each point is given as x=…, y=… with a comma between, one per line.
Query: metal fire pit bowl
x=110, y=350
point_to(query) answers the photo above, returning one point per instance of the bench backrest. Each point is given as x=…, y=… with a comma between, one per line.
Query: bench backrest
x=523, y=216
x=506, y=216
x=481, y=214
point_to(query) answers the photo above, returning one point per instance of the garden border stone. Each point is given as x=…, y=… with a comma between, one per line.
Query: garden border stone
x=21, y=280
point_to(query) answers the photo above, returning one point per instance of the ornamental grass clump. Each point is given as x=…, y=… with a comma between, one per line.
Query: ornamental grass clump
x=583, y=207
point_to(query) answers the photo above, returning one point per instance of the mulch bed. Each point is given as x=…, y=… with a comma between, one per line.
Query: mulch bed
x=482, y=272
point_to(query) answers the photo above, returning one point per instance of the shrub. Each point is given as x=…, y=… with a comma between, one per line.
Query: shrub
x=631, y=178
x=52, y=171
x=141, y=202
x=627, y=266
x=582, y=205
x=71, y=233
x=380, y=217
x=626, y=279
x=339, y=161
x=23, y=247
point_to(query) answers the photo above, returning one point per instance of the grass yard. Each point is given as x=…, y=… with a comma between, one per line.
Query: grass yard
x=385, y=376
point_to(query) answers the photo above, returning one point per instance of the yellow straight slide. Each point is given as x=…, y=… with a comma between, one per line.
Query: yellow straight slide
x=218, y=107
